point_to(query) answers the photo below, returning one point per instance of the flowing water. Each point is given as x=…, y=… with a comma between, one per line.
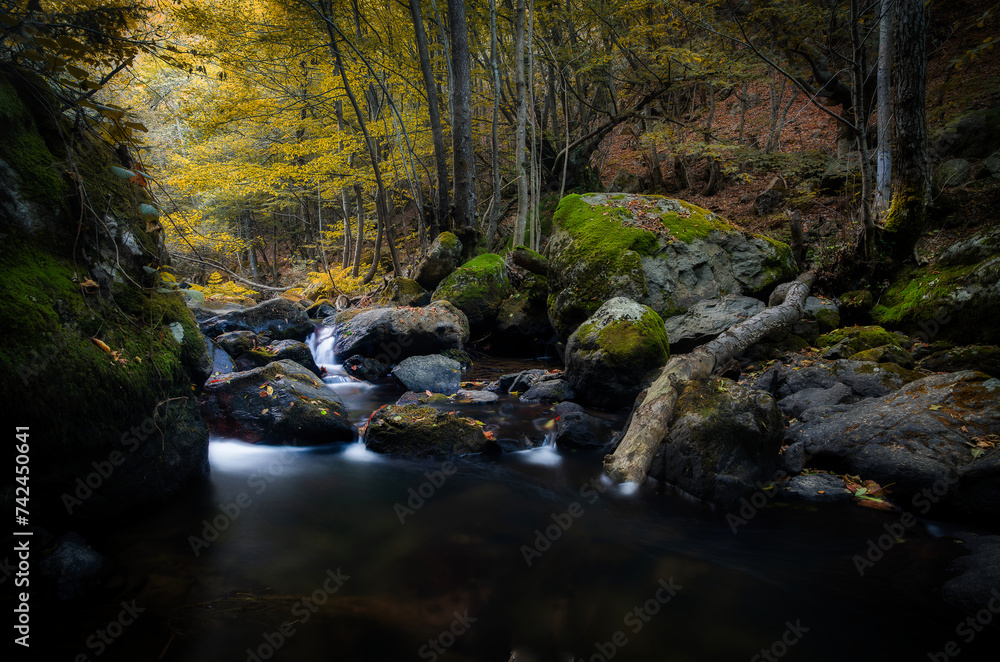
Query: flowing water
x=337, y=553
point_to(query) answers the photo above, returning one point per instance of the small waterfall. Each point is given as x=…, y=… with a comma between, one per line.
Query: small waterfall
x=321, y=342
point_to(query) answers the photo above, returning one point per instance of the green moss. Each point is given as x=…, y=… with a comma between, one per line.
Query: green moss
x=827, y=318
x=918, y=293
x=693, y=223
x=448, y=240
x=477, y=288
x=628, y=344
x=860, y=337
x=23, y=148
x=885, y=354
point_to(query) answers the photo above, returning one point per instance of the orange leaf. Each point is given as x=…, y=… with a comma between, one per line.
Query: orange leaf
x=100, y=343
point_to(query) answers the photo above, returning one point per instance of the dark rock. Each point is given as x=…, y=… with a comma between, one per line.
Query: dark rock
x=530, y=260
x=278, y=319
x=723, y=443
x=976, y=357
x=365, y=369
x=616, y=353
x=433, y=373
x=707, y=319
x=951, y=173
x=519, y=382
x=73, y=570
x=865, y=379
x=856, y=307
x=321, y=309
x=815, y=488
x=845, y=342
x=281, y=403
x=222, y=362
x=978, y=489
x=280, y=350
x=393, y=334
x=793, y=405
x=548, y=391
x=238, y=343
x=444, y=256
x=974, y=134
x=523, y=325
x=915, y=439
x=769, y=201
x=978, y=574
x=423, y=431
x=575, y=428
x=474, y=397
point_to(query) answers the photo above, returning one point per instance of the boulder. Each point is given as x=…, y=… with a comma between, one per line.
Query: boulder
x=971, y=135
x=529, y=260
x=392, y=334
x=992, y=164
x=952, y=173
x=856, y=307
x=983, y=358
x=616, y=353
x=843, y=343
x=863, y=378
x=575, y=428
x=793, y=405
x=886, y=354
x=404, y=292
x=222, y=362
x=547, y=390
x=280, y=403
x=478, y=288
x=237, y=343
x=815, y=488
x=73, y=570
x=975, y=582
x=723, y=443
x=423, y=431
x=523, y=326
x=819, y=316
x=278, y=319
x=707, y=319
x=433, y=373
x=364, y=368
x=915, y=439
x=444, y=256
x=955, y=298
x=664, y=253
x=293, y=350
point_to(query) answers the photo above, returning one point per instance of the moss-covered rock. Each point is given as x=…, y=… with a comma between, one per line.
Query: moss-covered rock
x=856, y=307
x=523, y=327
x=131, y=393
x=404, y=292
x=845, y=342
x=984, y=358
x=661, y=252
x=444, y=256
x=478, y=288
x=886, y=354
x=616, y=353
x=423, y=431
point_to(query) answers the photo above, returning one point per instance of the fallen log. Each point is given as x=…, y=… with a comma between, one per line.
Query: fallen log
x=651, y=420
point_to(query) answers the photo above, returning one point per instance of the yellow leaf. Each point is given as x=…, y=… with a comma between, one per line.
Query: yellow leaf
x=101, y=344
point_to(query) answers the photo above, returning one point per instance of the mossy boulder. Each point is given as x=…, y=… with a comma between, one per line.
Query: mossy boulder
x=393, y=334
x=404, y=292
x=529, y=260
x=661, y=252
x=984, y=358
x=845, y=342
x=723, y=443
x=616, y=353
x=955, y=298
x=478, y=288
x=856, y=307
x=886, y=354
x=523, y=327
x=423, y=431
x=132, y=395
x=280, y=403
x=277, y=319
x=444, y=256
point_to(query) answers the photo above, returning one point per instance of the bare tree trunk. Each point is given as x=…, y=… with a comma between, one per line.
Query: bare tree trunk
x=884, y=172
x=437, y=135
x=494, y=211
x=360, y=245
x=345, y=261
x=652, y=418
x=520, y=225
x=463, y=154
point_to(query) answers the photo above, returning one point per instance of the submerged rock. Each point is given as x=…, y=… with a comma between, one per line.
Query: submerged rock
x=549, y=389
x=423, y=431
x=815, y=488
x=616, y=353
x=280, y=403
x=278, y=319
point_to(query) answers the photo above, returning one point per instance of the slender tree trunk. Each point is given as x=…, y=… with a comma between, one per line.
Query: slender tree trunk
x=520, y=223
x=911, y=176
x=495, y=154
x=884, y=176
x=345, y=261
x=462, y=147
x=430, y=85
x=359, y=246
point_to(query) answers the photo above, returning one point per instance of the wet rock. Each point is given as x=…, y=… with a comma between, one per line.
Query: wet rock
x=983, y=358
x=575, y=428
x=864, y=378
x=365, y=369
x=237, y=343
x=915, y=439
x=723, y=443
x=280, y=403
x=73, y=570
x=519, y=382
x=707, y=319
x=393, y=334
x=793, y=405
x=433, y=373
x=815, y=488
x=616, y=353
x=549, y=390
x=278, y=319
x=977, y=579
x=280, y=350
x=444, y=256
x=222, y=362
x=423, y=431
